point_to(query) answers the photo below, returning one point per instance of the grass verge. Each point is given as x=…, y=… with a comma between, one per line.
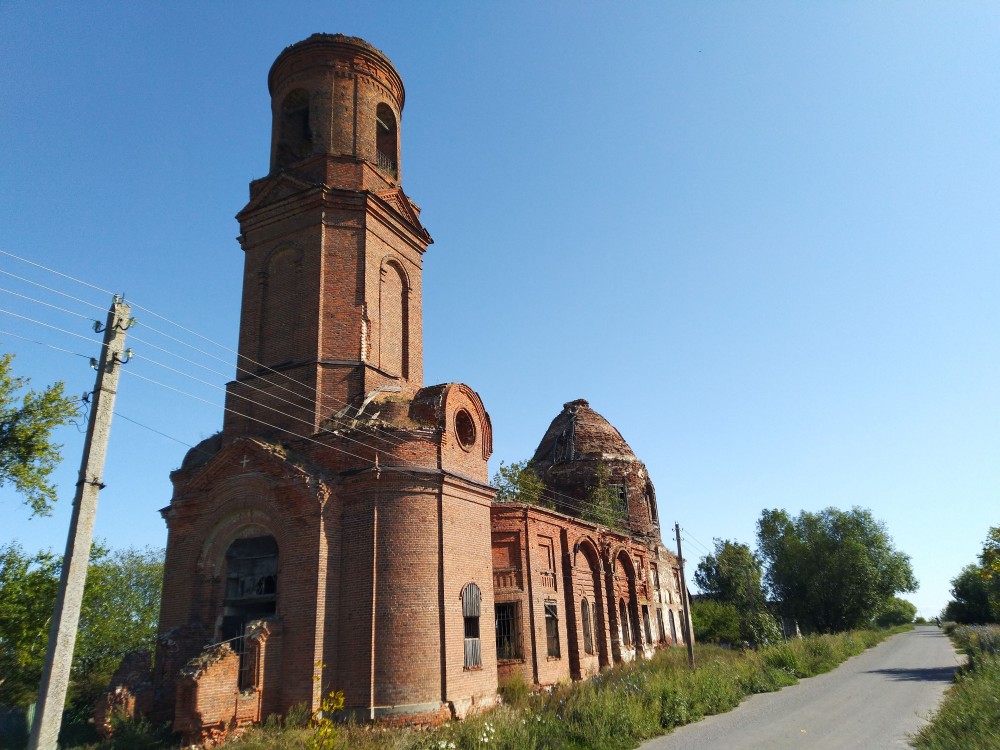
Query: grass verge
x=969, y=716
x=614, y=711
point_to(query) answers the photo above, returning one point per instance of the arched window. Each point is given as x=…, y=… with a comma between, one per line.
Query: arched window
x=394, y=323
x=295, y=139
x=385, y=139
x=626, y=629
x=470, y=613
x=251, y=592
x=588, y=630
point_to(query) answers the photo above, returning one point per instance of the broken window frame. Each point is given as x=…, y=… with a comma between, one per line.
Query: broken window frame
x=624, y=623
x=587, y=620
x=508, y=631
x=552, y=630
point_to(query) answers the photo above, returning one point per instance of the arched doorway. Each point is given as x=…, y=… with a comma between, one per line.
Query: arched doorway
x=251, y=592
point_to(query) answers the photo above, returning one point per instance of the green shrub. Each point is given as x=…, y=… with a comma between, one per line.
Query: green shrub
x=515, y=690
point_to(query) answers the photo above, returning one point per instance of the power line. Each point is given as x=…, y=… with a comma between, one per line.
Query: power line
x=47, y=325
x=372, y=430
x=253, y=419
x=573, y=503
x=57, y=273
x=306, y=422
x=42, y=343
x=47, y=304
x=50, y=289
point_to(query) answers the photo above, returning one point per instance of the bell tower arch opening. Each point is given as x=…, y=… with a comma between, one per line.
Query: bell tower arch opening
x=294, y=130
x=386, y=140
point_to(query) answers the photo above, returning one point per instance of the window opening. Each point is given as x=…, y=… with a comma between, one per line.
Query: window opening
x=659, y=625
x=626, y=630
x=251, y=594
x=295, y=141
x=552, y=629
x=508, y=626
x=673, y=626
x=646, y=624
x=470, y=612
x=385, y=139
x=621, y=498
x=588, y=631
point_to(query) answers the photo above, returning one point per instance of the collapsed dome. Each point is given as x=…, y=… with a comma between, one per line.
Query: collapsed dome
x=577, y=448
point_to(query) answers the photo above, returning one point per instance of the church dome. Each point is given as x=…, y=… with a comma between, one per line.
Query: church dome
x=580, y=450
x=580, y=433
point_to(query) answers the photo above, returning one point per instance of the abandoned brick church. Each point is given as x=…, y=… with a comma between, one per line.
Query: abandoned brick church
x=341, y=532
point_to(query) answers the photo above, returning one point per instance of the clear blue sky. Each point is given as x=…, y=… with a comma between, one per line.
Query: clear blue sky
x=760, y=238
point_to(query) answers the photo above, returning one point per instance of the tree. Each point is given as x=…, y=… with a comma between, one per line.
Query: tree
x=27, y=419
x=976, y=590
x=604, y=502
x=732, y=576
x=518, y=483
x=120, y=610
x=989, y=562
x=833, y=570
x=970, y=602
x=715, y=622
x=896, y=612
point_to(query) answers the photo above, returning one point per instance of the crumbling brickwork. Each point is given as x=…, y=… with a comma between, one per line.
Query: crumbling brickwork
x=340, y=533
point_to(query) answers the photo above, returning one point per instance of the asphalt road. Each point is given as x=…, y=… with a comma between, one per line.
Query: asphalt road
x=873, y=701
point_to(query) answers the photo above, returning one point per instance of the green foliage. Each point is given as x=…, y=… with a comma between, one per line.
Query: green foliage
x=28, y=588
x=976, y=590
x=324, y=735
x=733, y=575
x=833, y=570
x=603, y=504
x=896, y=612
x=515, y=690
x=969, y=717
x=518, y=483
x=715, y=622
x=119, y=614
x=27, y=419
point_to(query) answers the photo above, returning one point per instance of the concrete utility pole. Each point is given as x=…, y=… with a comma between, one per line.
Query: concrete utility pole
x=688, y=634
x=66, y=618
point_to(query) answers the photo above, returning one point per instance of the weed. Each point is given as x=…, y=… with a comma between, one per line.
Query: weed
x=969, y=717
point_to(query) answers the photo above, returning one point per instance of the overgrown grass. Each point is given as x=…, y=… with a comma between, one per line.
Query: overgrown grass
x=969, y=717
x=613, y=711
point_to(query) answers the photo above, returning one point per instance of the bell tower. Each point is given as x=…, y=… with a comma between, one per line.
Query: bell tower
x=333, y=247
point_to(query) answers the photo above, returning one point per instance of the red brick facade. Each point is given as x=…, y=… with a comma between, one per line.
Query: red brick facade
x=340, y=532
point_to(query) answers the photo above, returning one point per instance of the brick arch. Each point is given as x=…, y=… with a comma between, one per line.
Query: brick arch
x=280, y=275
x=587, y=568
x=630, y=594
x=482, y=417
x=586, y=544
x=394, y=318
x=241, y=524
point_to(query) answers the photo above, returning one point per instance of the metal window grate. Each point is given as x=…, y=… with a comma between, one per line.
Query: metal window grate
x=508, y=629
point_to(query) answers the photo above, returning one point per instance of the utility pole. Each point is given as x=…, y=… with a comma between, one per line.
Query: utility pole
x=688, y=635
x=66, y=618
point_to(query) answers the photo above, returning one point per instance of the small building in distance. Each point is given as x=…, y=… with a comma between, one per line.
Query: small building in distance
x=340, y=532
